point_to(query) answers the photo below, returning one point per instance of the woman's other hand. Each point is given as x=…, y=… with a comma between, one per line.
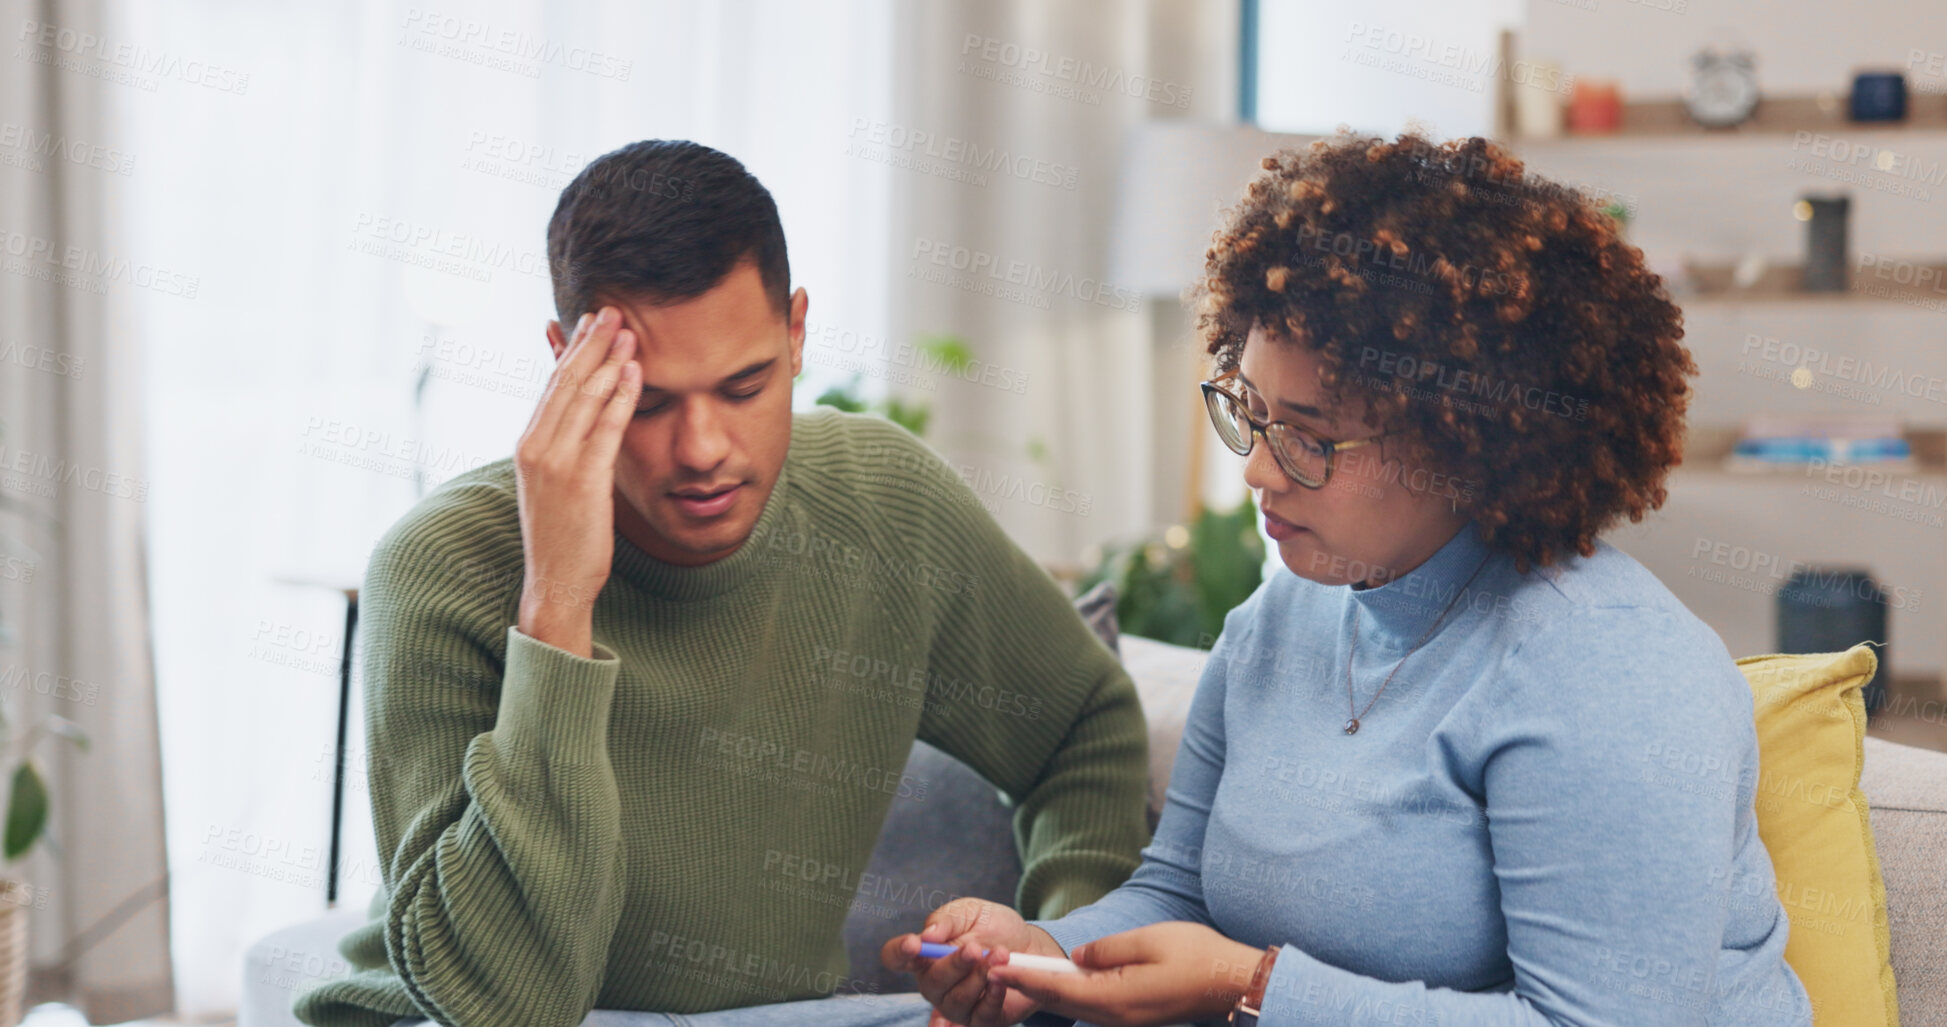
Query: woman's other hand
x=1160, y=974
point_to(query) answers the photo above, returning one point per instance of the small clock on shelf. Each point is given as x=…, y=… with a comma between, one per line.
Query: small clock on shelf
x=1723, y=88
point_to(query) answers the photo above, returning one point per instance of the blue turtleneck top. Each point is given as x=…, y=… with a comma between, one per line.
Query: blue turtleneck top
x=1546, y=817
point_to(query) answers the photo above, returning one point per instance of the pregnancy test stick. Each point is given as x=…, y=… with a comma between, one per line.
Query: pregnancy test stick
x=935, y=950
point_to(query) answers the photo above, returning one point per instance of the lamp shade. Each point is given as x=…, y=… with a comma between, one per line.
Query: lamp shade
x=1177, y=177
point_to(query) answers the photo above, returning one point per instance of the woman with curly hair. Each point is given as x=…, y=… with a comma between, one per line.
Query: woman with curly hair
x=1466, y=763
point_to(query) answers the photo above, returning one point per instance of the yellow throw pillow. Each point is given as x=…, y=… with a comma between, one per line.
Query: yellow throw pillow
x=1812, y=816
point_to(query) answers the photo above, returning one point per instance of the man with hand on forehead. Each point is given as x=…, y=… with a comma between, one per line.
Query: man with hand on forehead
x=606, y=677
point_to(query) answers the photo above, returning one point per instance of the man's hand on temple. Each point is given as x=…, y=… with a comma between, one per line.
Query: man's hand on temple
x=565, y=470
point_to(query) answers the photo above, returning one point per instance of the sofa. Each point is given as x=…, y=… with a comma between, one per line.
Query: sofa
x=911, y=873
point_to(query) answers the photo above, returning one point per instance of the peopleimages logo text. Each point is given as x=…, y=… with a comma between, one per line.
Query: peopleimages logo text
x=1032, y=61
x=1817, y=581
x=1025, y=274
x=955, y=150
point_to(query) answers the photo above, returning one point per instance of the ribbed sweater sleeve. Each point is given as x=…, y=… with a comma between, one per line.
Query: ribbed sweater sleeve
x=1025, y=694
x=496, y=809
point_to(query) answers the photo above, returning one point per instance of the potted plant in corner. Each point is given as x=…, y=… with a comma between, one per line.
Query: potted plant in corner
x=25, y=820
x=26, y=823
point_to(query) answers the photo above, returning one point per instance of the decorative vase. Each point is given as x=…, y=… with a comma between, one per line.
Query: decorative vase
x=1595, y=107
x=1538, y=111
x=13, y=949
x=1824, y=610
x=1878, y=96
x=1825, y=242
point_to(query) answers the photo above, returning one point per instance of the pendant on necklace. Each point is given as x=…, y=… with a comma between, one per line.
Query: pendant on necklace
x=1352, y=726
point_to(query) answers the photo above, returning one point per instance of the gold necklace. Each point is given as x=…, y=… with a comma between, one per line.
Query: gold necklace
x=1352, y=726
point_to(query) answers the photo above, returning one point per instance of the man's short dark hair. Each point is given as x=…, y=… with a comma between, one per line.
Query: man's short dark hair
x=667, y=219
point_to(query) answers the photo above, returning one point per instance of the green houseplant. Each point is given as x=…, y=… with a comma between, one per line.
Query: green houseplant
x=27, y=807
x=28, y=803
x=1178, y=588
x=950, y=353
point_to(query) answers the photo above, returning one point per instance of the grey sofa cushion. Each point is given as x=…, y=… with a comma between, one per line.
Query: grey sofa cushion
x=1906, y=792
x=1166, y=678
x=958, y=841
x=1097, y=607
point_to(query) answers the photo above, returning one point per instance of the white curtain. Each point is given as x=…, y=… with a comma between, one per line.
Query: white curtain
x=365, y=209
x=74, y=487
x=1079, y=436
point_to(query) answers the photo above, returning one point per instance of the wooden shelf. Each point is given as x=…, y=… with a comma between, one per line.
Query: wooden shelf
x=1706, y=448
x=1775, y=116
x=1711, y=283
x=1919, y=688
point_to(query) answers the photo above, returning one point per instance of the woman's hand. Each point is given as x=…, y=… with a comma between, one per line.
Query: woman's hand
x=1160, y=974
x=957, y=985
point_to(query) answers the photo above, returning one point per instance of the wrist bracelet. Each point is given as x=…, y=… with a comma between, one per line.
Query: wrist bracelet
x=1245, y=1013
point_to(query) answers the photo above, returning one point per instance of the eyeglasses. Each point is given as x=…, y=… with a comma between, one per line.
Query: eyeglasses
x=1302, y=455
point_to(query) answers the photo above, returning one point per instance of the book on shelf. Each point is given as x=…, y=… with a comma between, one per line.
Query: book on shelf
x=1775, y=441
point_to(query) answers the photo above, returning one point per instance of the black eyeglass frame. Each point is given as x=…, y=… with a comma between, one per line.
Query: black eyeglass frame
x=1213, y=390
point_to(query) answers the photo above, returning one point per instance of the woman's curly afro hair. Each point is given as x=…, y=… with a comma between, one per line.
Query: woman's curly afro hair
x=1498, y=320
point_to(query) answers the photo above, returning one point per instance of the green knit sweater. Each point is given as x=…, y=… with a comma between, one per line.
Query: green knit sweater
x=632, y=831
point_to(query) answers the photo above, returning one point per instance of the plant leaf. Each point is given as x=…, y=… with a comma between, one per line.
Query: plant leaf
x=950, y=351
x=26, y=812
x=910, y=416
x=842, y=398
